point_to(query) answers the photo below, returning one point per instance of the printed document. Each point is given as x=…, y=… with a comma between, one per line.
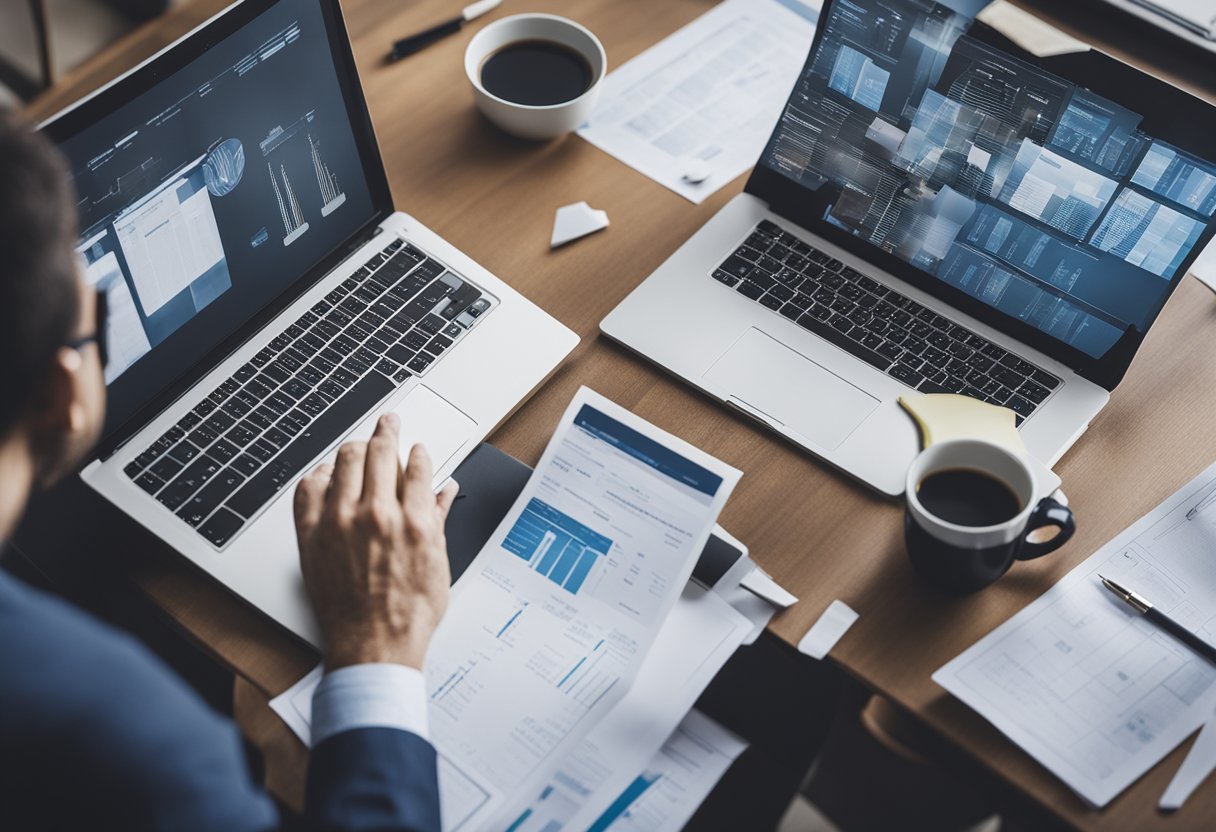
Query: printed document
x=676, y=781
x=549, y=625
x=695, y=111
x=1089, y=688
x=702, y=632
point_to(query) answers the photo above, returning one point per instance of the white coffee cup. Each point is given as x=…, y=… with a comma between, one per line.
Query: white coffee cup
x=532, y=121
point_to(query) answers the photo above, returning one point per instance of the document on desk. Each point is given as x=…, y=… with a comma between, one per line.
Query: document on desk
x=547, y=629
x=695, y=110
x=1088, y=687
x=702, y=632
x=700, y=635
x=664, y=795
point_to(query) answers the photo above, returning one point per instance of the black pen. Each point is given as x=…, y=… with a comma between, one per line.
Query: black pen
x=423, y=39
x=1160, y=619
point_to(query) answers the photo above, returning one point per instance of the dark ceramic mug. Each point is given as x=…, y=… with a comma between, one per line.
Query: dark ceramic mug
x=960, y=558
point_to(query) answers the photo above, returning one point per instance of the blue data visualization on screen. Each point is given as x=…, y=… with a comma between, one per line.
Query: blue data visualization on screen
x=1038, y=197
x=205, y=196
x=555, y=545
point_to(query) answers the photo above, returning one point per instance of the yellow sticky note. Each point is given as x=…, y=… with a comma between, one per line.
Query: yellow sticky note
x=942, y=416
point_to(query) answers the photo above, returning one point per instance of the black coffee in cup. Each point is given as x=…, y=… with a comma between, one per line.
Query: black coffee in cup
x=973, y=510
x=968, y=497
x=536, y=73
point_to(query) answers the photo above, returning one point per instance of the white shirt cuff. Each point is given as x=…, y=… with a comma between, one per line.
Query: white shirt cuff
x=378, y=695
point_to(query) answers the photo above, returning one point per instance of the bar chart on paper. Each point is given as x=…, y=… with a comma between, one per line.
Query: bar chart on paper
x=556, y=545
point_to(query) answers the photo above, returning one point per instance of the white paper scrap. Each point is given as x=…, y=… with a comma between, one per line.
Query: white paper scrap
x=695, y=110
x=824, y=633
x=1198, y=765
x=761, y=583
x=294, y=705
x=576, y=220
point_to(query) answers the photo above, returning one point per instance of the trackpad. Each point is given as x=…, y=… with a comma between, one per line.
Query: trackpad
x=428, y=419
x=787, y=387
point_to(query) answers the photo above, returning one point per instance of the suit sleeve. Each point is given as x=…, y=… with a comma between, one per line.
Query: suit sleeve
x=372, y=767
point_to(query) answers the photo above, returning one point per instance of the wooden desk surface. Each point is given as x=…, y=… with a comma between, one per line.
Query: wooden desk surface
x=821, y=535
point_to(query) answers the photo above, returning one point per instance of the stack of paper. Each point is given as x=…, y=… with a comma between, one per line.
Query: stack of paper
x=574, y=645
x=1088, y=687
x=695, y=110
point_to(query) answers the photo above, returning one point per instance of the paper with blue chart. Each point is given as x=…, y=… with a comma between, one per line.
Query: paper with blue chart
x=588, y=789
x=1084, y=684
x=547, y=629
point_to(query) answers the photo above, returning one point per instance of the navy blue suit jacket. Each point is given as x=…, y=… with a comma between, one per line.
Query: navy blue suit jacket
x=96, y=734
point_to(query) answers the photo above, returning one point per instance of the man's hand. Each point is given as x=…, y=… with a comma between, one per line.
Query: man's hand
x=372, y=550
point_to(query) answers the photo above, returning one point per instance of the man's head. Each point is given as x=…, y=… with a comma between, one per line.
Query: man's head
x=52, y=394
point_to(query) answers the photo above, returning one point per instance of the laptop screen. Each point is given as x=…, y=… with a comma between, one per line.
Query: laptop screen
x=213, y=190
x=1025, y=190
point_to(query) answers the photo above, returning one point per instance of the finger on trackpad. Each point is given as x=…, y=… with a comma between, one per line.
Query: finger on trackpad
x=427, y=419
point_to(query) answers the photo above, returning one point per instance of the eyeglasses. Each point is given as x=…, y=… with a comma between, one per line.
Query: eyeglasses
x=98, y=335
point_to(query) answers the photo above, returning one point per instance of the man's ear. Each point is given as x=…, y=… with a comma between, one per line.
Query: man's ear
x=58, y=410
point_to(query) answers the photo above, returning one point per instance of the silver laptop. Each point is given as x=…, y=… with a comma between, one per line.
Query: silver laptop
x=936, y=210
x=265, y=300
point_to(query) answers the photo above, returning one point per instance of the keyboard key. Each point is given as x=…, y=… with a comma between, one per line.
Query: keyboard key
x=420, y=362
x=908, y=376
x=431, y=324
x=261, y=418
x=166, y=468
x=1020, y=406
x=1007, y=377
x=261, y=451
x=276, y=437
x=246, y=464
x=221, y=527
x=415, y=339
x=1045, y=379
x=1033, y=392
x=174, y=494
x=928, y=386
x=345, y=412
x=241, y=436
x=400, y=354
x=314, y=404
x=196, y=509
x=149, y=482
x=183, y=452
x=223, y=450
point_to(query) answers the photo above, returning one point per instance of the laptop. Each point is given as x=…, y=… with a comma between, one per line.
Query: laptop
x=1191, y=20
x=265, y=300
x=936, y=211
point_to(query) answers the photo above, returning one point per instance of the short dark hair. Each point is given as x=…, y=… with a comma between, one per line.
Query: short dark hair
x=39, y=298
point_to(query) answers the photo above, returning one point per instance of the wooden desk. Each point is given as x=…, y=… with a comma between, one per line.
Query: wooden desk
x=819, y=534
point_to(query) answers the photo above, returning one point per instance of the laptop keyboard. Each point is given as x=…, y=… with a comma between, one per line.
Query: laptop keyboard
x=890, y=331
x=396, y=316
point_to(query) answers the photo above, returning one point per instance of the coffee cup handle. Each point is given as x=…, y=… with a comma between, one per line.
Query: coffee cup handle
x=1047, y=513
